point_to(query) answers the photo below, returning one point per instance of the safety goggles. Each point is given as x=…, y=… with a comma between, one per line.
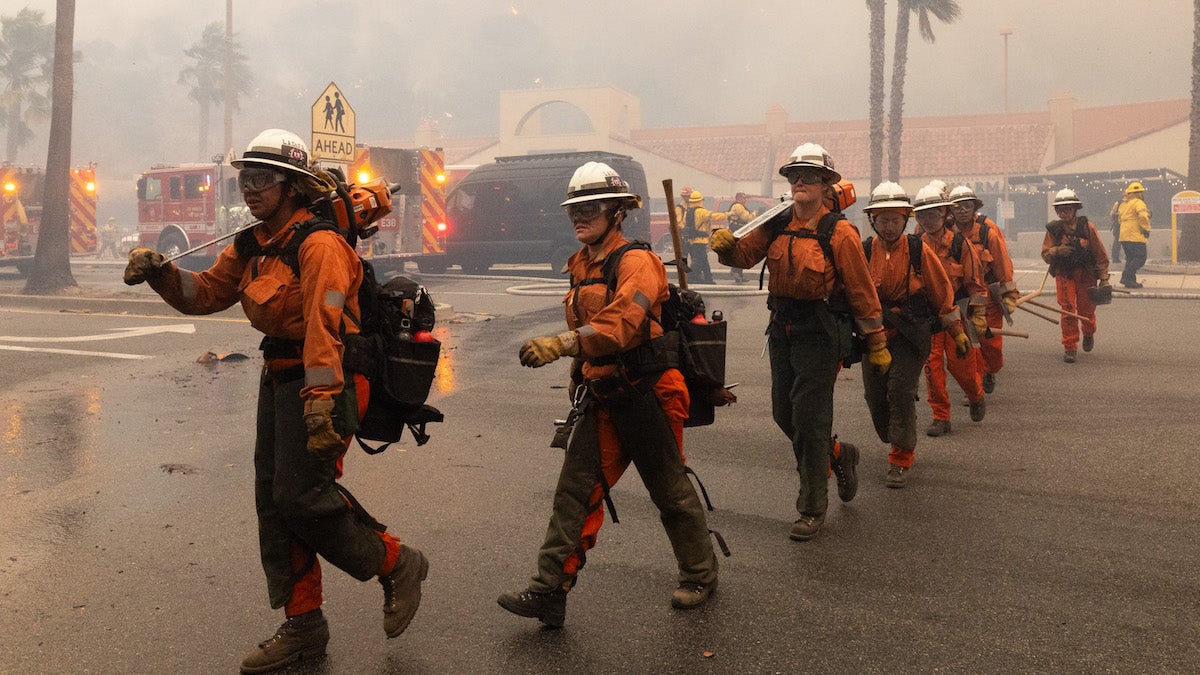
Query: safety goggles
x=1065, y=208
x=257, y=180
x=963, y=207
x=582, y=212
x=805, y=177
x=929, y=215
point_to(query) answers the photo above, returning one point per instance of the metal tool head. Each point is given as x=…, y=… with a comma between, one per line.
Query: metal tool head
x=997, y=295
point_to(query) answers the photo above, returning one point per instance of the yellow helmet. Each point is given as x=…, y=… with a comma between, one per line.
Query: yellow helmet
x=695, y=199
x=1135, y=186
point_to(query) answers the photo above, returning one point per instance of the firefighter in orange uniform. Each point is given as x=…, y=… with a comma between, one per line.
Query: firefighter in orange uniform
x=988, y=241
x=630, y=402
x=915, y=294
x=307, y=407
x=966, y=277
x=819, y=285
x=1078, y=261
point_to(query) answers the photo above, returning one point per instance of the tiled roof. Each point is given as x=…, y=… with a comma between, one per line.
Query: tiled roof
x=1099, y=128
x=933, y=146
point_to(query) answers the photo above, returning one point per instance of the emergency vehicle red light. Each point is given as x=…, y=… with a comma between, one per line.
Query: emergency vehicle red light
x=363, y=176
x=441, y=227
x=441, y=178
x=91, y=187
x=10, y=187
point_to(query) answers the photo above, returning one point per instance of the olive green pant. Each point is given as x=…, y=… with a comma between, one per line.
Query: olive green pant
x=805, y=357
x=647, y=439
x=891, y=397
x=300, y=507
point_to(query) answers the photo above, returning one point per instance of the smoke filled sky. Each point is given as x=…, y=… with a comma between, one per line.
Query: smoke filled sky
x=693, y=62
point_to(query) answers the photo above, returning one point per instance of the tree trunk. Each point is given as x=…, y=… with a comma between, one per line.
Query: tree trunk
x=205, y=122
x=52, y=261
x=876, y=38
x=1189, y=227
x=896, y=114
x=10, y=137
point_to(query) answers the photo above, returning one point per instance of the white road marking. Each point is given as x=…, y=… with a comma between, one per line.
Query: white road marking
x=74, y=352
x=114, y=334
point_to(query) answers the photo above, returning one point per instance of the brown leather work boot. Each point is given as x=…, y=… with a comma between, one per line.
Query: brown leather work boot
x=844, y=469
x=549, y=607
x=303, y=636
x=939, y=428
x=402, y=590
x=806, y=527
x=690, y=595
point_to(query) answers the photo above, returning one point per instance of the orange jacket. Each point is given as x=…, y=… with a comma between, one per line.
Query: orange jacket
x=895, y=282
x=313, y=308
x=1094, y=245
x=617, y=324
x=798, y=268
x=997, y=266
x=967, y=274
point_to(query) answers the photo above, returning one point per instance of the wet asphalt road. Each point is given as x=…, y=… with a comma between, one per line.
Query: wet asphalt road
x=1060, y=534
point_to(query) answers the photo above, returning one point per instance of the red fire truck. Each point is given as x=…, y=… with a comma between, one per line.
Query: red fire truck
x=181, y=207
x=416, y=228
x=21, y=202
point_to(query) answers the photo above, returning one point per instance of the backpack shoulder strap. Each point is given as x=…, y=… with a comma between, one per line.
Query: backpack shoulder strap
x=867, y=244
x=983, y=230
x=956, y=247
x=915, y=249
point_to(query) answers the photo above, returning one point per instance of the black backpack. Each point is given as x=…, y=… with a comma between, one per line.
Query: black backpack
x=701, y=346
x=391, y=348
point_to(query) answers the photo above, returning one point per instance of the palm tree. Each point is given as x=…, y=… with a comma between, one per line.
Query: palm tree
x=1189, y=231
x=52, y=261
x=206, y=77
x=875, y=38
x=26, y=52
x=946, y=11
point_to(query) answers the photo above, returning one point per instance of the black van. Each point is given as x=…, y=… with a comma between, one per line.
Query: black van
x=508, y=211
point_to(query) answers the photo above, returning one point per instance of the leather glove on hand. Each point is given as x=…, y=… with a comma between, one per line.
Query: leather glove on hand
x=962, y=345
x=1104, y=280
x=539, y=351
x=144, y=263
x=979, y=320
x=1060, y=251
x=1010, y=301
x=722, y=241
x=323, y=441
x=880, y=357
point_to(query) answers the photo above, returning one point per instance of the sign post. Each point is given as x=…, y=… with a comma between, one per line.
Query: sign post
x=1187, y=201
x=333, y=127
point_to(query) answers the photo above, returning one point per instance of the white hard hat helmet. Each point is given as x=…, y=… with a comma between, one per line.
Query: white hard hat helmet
x=963, y=193
x=1066, y=197
x=941, y=186
x=888, y=195
x=811, y=155
x=597, y=180
x=929, y=197
x=276, y=148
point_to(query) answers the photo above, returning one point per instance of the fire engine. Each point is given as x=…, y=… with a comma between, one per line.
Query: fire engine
x=416, y=228
x=181, y=207
x=21, y=205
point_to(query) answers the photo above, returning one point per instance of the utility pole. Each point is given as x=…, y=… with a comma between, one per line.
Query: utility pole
x=1005, y=31
x=228, y=77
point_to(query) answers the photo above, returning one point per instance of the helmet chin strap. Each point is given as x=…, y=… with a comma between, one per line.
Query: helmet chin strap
x=612, y=223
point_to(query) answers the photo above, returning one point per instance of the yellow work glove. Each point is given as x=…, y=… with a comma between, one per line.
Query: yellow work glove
x=1010, y=301
x=722, y=241
x=880, y=357
x=539, y=351
x=962, y=345
x=323, y=441
x=979, y=320
x=144, y=263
